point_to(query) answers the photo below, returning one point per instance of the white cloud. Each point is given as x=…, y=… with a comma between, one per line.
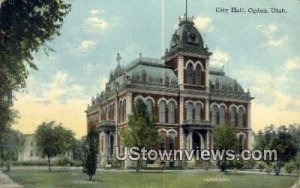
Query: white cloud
x=219, y=58
x=95, y=23
x=76, y=88
x=86, y=45
x=272, y=104
x=55, y=90
x=130, y=51
x=61, y=100
x=94, y=12
x=102, y=83
x=269, y=31
x=203, y=23
x=278, y=42
x=293, y=63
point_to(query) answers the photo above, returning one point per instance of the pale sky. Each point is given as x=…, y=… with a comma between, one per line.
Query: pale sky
x=260, y=50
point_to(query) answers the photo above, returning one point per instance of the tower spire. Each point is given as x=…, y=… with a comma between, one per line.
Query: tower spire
x=186, y=9
x=118, y=58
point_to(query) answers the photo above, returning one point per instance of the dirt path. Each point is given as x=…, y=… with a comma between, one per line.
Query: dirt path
x=6, y=182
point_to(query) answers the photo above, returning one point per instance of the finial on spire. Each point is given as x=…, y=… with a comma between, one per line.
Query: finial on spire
x=186, y=9
x=118, y=58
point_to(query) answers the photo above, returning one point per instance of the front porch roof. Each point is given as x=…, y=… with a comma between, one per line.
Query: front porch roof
x=106, y=125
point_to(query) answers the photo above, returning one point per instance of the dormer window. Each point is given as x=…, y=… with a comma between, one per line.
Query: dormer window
x=192, y=37
x=175, y=40
x=217, y=84
x=144, y=76
x=167, y=79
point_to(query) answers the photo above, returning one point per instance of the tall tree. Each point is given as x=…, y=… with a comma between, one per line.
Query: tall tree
x=12, y=145
x=78, y=151
x=224, y=140
x=294, y=130
x=25, y=27
x=279, y=139
x=90, y=154
x=7, y=118
x=52, y=139
x=142, y=132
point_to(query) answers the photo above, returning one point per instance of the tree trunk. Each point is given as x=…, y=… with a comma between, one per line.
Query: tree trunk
x=277, y=167
x=7, y=166
x=138, y=165
x=90, y=177
x=49, y=164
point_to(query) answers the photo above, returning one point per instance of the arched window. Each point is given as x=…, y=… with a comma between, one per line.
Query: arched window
x=233, y=116
x=241, y=117
x=198, y=112
x=120, y=112
x=112, y=112
x=162, y=141
x=171, y=112
x=189, y=74
x=106, y=113
x=171, y=142
x=124, y=111
x=198, y=75
x=190, y=109
x=149, y=106
x=214, y=111
x=162, y=111
x=222, y=115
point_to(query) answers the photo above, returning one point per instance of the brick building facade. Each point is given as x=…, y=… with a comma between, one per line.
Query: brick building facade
x=185, y=96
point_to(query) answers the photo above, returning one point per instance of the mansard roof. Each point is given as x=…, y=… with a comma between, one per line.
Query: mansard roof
x=153, y=72
x=224, y=83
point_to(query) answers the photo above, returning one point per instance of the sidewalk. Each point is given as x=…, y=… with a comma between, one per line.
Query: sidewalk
x=6, y=182
x=297, y=184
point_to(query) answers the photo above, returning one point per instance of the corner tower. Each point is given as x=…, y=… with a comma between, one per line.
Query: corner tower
x=188, y=56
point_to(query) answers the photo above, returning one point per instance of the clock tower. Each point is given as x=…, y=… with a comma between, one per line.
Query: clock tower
x=188, y=57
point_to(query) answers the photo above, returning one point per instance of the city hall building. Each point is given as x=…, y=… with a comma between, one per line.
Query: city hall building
x=185, y=96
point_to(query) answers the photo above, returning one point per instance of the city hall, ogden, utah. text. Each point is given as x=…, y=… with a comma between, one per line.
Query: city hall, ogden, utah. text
x=250, y=10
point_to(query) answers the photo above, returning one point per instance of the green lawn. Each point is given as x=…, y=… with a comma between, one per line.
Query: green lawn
x=44, y=179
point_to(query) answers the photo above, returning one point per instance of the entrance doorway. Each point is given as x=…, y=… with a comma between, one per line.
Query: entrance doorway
x=196, y=141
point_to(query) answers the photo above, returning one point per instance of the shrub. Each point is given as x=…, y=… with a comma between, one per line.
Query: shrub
x=290, y=167
x=64, y=161
x=261, y=165
x=207, y=165
x=297, y=163
x=182, y=164
x=224, y=165
x=76, y=163
x=237, y=164
x=268, y=169
x=249, y=164
x=31, y=163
